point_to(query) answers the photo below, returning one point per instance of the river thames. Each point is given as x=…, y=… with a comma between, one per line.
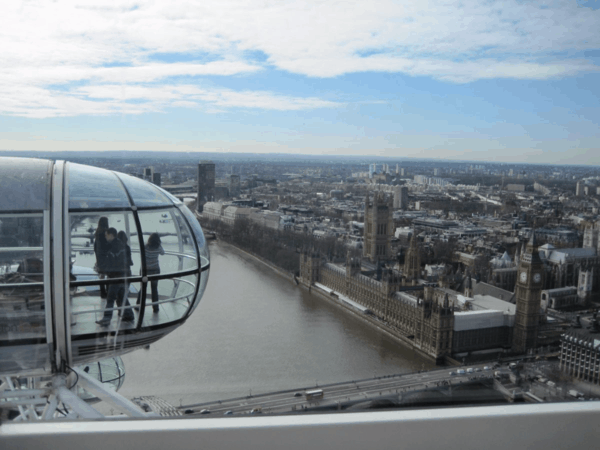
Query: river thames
x=256, y=332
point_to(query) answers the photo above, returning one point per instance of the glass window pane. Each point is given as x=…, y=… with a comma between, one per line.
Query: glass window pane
x=22, y=298
x=21, y=251
x=168, y=300
x=203, y=282
x=22, y=314
x=186, y=244
x=91, y=187
x=21, y=230
x=24, y=184
x=197, y=230
x=93, y=257
x=144, y=193
x=167, y=242
x=92, y=313
x=171, y=197
x=24, y=357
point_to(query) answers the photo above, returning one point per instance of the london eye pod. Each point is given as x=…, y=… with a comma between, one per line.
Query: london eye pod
x=68, y=296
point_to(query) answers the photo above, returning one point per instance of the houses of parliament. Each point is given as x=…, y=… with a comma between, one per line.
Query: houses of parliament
x=440, y=320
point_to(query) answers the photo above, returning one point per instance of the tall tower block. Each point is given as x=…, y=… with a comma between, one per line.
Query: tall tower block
x=412, y=262
x=206, y=184
x=379, y=223
x=530, y=282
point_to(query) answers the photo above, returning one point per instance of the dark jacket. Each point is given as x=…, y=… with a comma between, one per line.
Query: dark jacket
x=101, y=248
x=117, y=259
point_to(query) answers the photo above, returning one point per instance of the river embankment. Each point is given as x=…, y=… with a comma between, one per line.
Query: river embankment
x=326, y=296
x=255, y=331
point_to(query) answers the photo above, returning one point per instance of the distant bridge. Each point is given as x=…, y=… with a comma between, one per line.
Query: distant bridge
x=338, y=395
x=184, y=195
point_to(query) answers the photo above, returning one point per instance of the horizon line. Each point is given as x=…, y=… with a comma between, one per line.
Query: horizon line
x=305, y=155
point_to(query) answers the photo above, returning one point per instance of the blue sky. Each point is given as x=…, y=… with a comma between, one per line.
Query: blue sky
x=485, y=80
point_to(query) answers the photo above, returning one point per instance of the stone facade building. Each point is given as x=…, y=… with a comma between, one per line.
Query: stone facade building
x=412, y=263
x=503, y=272
x=578, y=267
x=530, y=283
x=560, y=298
x=379, y=226
x=427, y=318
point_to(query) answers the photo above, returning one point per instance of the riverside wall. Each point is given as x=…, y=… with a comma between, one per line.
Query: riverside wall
x=373, y=322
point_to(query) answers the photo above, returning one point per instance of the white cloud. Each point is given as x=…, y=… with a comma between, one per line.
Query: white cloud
x=104, y=99
x=71, y=43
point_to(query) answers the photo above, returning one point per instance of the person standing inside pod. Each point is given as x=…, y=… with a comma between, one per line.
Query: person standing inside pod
x=123, y=238
x=153, y=249
x=101, y=248
x=118, y=264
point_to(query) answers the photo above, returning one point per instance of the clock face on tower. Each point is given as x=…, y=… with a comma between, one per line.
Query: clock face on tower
x=523, y=277
x=537, y=278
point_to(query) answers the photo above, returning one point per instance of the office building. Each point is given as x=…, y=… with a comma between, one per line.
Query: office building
x=206, y=184
x=400, y=197
x=234, y=185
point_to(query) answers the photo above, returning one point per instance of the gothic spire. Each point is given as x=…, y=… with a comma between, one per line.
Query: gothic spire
x=532, y=240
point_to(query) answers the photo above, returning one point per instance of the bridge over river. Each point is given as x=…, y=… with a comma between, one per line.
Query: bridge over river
x=390, y=389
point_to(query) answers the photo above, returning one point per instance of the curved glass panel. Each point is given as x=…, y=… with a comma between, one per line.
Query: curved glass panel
x=168, y=300
x=197, y=230
x=202, y=287
x=94, y=188
x=24, y=184
x=112, y=262
x=170, y=196
x=144, y=193
x=91, y=314
x=21, y=236
x=22, y=300
x=176, y=251
x=110, y=372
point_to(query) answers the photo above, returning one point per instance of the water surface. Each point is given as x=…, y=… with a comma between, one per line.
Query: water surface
x=254, y=331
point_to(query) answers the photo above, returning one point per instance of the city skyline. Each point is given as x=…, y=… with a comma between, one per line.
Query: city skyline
x=511, y=82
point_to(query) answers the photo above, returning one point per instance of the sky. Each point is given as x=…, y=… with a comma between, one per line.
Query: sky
x=502, y=81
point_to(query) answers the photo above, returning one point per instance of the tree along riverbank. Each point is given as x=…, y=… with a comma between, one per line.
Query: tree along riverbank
x=278, y=247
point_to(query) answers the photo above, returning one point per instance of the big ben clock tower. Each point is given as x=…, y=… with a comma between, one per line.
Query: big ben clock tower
x=530, y=282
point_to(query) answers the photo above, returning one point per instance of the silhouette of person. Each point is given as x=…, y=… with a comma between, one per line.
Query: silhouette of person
x=153, y=250
x=118, y=267
x=101, y=247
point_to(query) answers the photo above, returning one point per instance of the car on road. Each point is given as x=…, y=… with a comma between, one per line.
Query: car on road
x=256, y=411
x=477, y=369
x=205, y=411
x=460, y=371
x=298, y=394
x=228, y=413
x=452, y=373
x=470, y=370
x=487, y=368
